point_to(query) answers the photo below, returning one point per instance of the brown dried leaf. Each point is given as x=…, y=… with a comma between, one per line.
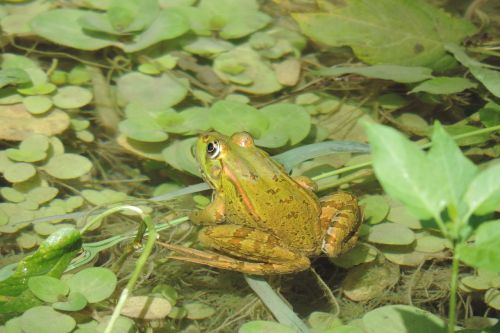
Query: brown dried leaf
x=16, y=123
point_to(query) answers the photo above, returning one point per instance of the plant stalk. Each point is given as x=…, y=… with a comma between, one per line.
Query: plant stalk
x=452, y=315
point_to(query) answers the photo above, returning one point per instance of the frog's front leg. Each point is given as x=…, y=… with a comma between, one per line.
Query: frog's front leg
x=340, y=220
x=211, y=214
x=267, y=253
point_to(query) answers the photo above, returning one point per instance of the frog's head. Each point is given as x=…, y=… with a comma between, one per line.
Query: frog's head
x=213, y=148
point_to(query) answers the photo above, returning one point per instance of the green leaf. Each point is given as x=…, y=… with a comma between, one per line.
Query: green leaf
x=198, y=310
x=95, y=283
x=48, y=288
x=132, y=15
x=153, y=93
x=402, y=319
x=261, y=326
x=405, y=32
x=234, y=19
x=490, y=114
x=178, y=154
x=51, y=258
x=483, y=194
x=13, y=76
x=37, y=104
x=375, y=208
x=488, y=77
x=485, y=252
x=43, y=319
x=391, y=234
x=288, y=121
x=168, y=24
x=444, y=85
x=228, y=117
x=19, y=172
x=67, y=166
x=144, y=129
x=403, y=74
x=405, y=171
x=247, y=70
x=455, y=169
x=72, y=97
x=76, y=302
x=61, y=27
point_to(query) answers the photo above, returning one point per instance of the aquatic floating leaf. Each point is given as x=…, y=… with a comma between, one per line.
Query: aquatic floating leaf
x=37, y=104
x=48, y=25
x=95, y=283
x=143, y=128
x=146, y=307
x=402, y=319
x=153, y=93
x=75, y=302
x=286, y=121
x=391, y=234
x=234, y=19
x=67, y=166
x=44, y=319
x=375, y=208
x=19, y=172
x=379, y=33
x=72, y=97
x=367, y=281
x=13, y=76
x=229, y=117
x=11, y=194
x=48, y=288
x=198, y=310
x=178, y=154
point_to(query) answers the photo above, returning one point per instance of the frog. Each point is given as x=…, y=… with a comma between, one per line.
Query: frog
x=262, y=221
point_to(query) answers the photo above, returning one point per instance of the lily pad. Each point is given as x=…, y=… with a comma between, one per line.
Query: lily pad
x=19, y=172
x=154, y=93
x=391, y=234
x=67, y=166
x=178, y=154
x=146, y=307
x=37, y=104
x=229, y=117
x=75, y=302
x=144, y=129
x=375, y=208
x=95, y=283
x=198, y=310
x=48, y=288
x=72, y=97
x=43, y=319
x=367, y=281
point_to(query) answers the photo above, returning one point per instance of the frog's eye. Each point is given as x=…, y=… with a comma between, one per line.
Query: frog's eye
x=213, y=149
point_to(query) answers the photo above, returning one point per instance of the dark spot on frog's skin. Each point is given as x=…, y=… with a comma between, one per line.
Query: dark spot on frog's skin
x=272, y=191
x=292, y=214
x=275, y=178
x=418, y=48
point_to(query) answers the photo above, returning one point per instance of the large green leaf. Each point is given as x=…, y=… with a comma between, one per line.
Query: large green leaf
x=61, y=27
x=228, y=117
x=132, y=15
x=404, y=32
x=456, y=170
x=485, y=252
x=403, y=74
x=483, y=194
x=405, y=171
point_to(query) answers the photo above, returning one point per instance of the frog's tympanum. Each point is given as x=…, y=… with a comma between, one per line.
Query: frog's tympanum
x=261, y=220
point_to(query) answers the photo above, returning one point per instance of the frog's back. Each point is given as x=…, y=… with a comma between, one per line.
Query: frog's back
x=271, y=200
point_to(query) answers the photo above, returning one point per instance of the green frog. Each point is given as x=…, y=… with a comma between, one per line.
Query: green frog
x=262, y=221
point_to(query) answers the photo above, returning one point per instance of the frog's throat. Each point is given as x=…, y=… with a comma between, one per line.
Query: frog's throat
x=239, y=188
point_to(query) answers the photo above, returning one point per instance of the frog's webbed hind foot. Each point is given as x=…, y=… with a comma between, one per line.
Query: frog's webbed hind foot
x=264, y=251
x=341, y=220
